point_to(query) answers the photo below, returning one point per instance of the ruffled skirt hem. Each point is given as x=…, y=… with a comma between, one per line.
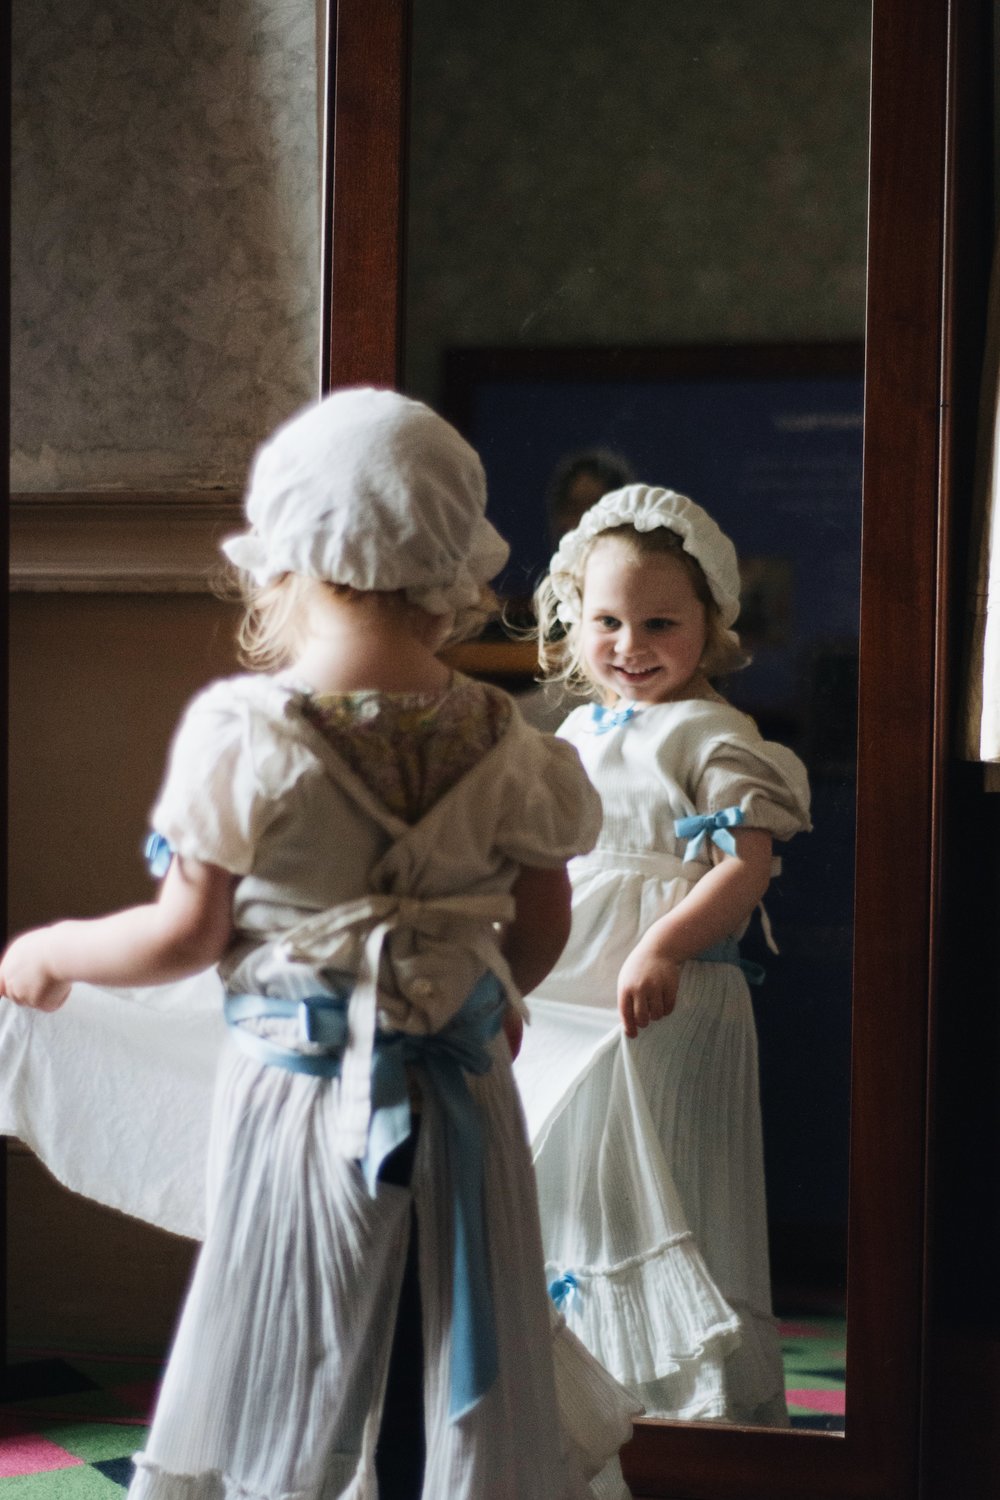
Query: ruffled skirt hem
x=153, y=1482
x=751, y=1392
x=654, y=1316
x=662, y=1328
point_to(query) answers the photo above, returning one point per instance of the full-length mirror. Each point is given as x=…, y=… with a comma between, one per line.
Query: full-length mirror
x=640, y=232
x=877, y=1455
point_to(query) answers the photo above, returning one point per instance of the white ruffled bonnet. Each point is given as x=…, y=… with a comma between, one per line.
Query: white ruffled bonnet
x=371, y=489
x=645, y=508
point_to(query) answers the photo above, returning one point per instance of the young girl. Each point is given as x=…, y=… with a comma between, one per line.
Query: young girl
x=372, y=851
x=639, y=1074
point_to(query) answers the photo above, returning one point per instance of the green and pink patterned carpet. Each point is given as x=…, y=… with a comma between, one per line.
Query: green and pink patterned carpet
x=71, y=1420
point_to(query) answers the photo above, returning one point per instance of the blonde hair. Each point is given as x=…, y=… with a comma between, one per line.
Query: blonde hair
x=273, y=628
x=560, y=655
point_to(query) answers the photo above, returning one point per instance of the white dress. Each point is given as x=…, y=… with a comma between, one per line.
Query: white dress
x=275, y=1383
x=648, y=1152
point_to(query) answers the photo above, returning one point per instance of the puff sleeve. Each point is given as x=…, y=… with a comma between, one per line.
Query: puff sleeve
x=765, y=780
x=225, y=775
x=551, y=812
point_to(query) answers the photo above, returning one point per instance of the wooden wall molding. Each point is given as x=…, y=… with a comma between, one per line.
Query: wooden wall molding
x=130, y=542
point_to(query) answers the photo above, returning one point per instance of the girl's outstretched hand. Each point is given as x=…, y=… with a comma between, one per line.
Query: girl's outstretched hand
x=25, y=977
x=647, y=989
x=186, y=929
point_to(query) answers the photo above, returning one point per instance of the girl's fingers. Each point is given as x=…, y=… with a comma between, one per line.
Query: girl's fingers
x=637, y=1012
x=639, y=1009
x=627, y=1015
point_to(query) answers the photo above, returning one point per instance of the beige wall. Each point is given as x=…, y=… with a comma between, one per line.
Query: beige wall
x=165, y=316
x=96, y=685
x=97, y=682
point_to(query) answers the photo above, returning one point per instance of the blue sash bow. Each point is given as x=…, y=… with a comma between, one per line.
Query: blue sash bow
x=710, y=825
x=445, y=1057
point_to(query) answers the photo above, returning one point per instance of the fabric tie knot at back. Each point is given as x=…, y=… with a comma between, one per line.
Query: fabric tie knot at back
x=714, y=826
x=375, y=918
x=604, y=719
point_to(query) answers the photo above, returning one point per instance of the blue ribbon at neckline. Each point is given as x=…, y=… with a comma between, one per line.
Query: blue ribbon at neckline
x=602, y=719
x=444, y=1057
x=709, y=825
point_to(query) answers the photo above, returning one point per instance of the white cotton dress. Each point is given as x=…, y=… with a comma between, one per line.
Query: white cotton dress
x=648, y=1152
x=275, y=1383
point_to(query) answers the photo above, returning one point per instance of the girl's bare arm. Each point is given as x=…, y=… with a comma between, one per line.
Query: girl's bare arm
x=535, y=938
x=716, y=906
x=537, y=935
x=187, y=929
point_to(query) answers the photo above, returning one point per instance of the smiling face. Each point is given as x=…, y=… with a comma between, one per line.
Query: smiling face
x=643, y=628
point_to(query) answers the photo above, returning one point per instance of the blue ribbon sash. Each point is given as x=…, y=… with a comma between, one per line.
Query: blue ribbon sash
x=728, y=952
x=444, y=1058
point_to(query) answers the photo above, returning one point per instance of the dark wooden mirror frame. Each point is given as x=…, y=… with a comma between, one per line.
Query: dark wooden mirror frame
x=926, y=276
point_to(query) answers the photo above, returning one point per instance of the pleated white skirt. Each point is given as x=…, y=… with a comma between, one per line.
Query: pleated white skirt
x=649, y=1161
x=274, y=1387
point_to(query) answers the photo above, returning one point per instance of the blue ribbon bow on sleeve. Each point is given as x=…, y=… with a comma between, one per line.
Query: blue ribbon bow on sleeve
x=710, y=825
x=602, y=719
x=158, y=855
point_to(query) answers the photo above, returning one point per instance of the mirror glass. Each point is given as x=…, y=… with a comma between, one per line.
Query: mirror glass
x=641, y=228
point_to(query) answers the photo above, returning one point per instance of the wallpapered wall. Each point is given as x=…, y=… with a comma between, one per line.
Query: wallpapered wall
x=645, y=172
x=648, y=171
x=165, y=237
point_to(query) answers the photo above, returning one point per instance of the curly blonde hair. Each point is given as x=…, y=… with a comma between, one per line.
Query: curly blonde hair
x=273, y=628
x=560, y=656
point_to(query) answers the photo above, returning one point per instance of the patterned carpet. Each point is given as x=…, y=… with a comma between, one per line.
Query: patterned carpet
x=70, y=1421
x=814, y=1351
